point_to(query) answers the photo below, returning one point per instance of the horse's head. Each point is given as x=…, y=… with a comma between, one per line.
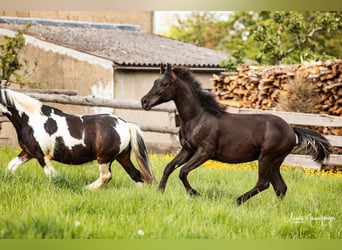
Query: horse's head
x=163, y=89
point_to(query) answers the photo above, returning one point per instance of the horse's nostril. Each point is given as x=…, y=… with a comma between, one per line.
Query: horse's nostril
x=144, y=102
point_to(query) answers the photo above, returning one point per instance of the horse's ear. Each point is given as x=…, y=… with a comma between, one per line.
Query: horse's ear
x=168, y=67
x=162, y=68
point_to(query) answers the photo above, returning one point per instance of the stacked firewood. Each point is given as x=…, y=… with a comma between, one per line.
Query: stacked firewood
x=261, y=87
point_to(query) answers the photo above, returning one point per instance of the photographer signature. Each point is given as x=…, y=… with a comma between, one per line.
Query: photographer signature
x=309, y=218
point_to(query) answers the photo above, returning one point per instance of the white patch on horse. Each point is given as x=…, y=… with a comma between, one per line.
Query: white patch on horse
x=46, y=142
x=297, y=140
x=64, y=132
x=123, y=130
x=36, y=122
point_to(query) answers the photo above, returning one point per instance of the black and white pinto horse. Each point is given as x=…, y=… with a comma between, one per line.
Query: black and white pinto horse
x=47, y=134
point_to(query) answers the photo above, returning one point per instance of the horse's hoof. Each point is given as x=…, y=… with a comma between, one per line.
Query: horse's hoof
x=193, y=192
x=140, y=184
x=239, y=201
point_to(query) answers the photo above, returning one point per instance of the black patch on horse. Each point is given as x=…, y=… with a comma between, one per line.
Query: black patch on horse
x=78, y=154
x=50, y=126
x=74, y=124
x=46, y=110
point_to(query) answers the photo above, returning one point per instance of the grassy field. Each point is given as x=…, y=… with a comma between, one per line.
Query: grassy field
x=34, y=207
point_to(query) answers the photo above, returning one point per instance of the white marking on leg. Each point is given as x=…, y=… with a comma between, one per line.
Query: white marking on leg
x=15, y=163
x=105, y=177
x=140, y=184
x=49, y=170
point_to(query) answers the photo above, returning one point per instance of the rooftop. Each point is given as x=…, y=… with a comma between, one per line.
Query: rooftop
x=125, y=45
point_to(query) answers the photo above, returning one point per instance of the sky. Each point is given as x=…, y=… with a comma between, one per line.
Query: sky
x=164, y=19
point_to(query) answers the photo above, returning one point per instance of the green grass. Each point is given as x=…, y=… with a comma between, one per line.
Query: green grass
x=32, y=206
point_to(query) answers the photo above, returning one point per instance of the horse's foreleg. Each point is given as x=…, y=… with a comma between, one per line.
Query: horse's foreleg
x=182, y=156
x=48, y=168
x=105, y=176
x=18, y=161
x=196, y=160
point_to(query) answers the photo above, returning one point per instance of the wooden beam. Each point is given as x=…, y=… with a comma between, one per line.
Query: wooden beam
x=99, y=102
x=296, y=118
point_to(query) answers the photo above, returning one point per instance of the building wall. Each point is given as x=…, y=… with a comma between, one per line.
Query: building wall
x=142, y=18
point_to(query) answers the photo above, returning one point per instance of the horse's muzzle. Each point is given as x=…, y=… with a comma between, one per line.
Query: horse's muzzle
x=145, y=103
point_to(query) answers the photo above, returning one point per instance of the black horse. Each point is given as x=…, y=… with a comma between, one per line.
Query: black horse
x=207, y=131
x=47, y=134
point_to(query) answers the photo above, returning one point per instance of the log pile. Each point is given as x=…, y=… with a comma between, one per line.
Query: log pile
x=260, y=87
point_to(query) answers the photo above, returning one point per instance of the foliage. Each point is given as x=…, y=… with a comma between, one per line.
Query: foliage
x=10, y=55
x=291, y=37
x=266, y=37
x=32, y=206
x=200, y=28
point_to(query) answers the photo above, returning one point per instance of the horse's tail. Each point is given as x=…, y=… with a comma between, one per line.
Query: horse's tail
x=311, y=142
x=140, y=151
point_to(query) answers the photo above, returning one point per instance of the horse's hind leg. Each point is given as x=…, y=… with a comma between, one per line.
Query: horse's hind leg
x=18, y=161
x=268, y=172
x=105, y=176
x=278, y=183
x=125, y=161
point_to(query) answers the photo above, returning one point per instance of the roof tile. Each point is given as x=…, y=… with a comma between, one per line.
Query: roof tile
x=125, y=47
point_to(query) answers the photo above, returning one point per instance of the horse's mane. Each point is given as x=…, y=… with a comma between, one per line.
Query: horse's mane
x=19, y=101
x=207, y=100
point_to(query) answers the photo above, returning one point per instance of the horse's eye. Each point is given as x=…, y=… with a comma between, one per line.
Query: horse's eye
x=164, y=83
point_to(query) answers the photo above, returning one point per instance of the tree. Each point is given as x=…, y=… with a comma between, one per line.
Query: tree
x=200, y=28
x=9, y=53
x=266, y=37
x=291, y=37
